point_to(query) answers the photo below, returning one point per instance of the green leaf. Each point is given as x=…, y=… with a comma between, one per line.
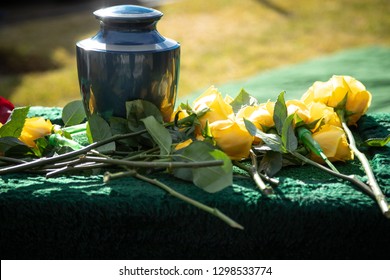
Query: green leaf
x=159, y=134
x=280, y=112
x=73, y=113
x=289, y=140
x=211, y=179
x=12, y=146
x=120, y=126
x=183, y=173
x=298, y=121
x=14, y=127
x=252, y=129
x=273, y=141
x=242, y=99
x=271, y=163
x=214, y=179
x=186, y=106
x=41, y=145
x=377, y=142
x=97, y=130
x=137, y=110
x=187, y=121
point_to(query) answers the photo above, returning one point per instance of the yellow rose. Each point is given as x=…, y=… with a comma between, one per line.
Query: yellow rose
x=333, y=92
x=325, y=92
x=219, y=109
x=33, y=129
x=299, y=108
x=333, y=142
x=322, y=113
x=261, y=115
x=358, y=101
x=246, y=113
x=232, y=138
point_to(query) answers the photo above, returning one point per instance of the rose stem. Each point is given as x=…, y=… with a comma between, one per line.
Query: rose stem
x=154, y=164
x=4, y=160
x=379, y=197
x=44, y=161
x=75, y=128
x=70, y=167
x=248, y=169
x=75, y=164
x=252, y=170
x=351, y=179
x=213, y=211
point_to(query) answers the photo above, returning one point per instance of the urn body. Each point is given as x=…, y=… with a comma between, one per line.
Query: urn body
x=127, y=59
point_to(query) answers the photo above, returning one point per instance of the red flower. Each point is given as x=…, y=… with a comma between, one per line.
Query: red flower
x=6, y=108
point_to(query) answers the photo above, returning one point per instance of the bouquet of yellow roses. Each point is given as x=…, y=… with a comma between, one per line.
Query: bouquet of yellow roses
x=201, y=142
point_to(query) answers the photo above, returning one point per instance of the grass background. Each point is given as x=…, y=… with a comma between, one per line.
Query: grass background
x=222, y=41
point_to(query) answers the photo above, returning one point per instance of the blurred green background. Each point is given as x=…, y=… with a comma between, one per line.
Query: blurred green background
x=222, y=40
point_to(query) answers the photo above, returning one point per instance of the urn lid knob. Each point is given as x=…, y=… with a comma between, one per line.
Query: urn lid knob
x=128, y=14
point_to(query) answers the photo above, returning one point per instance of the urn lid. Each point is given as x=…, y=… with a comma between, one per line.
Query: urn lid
x=128, y=13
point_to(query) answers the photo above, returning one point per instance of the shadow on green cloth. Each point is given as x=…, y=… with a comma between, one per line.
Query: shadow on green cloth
x=370, y=65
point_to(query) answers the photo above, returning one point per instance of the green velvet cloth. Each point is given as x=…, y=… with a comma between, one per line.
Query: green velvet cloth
x=312, y=216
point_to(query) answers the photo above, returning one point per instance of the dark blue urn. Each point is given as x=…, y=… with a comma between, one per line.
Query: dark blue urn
x=127, y=60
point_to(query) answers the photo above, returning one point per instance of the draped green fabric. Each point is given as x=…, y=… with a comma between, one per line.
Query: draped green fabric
x=312, y=215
